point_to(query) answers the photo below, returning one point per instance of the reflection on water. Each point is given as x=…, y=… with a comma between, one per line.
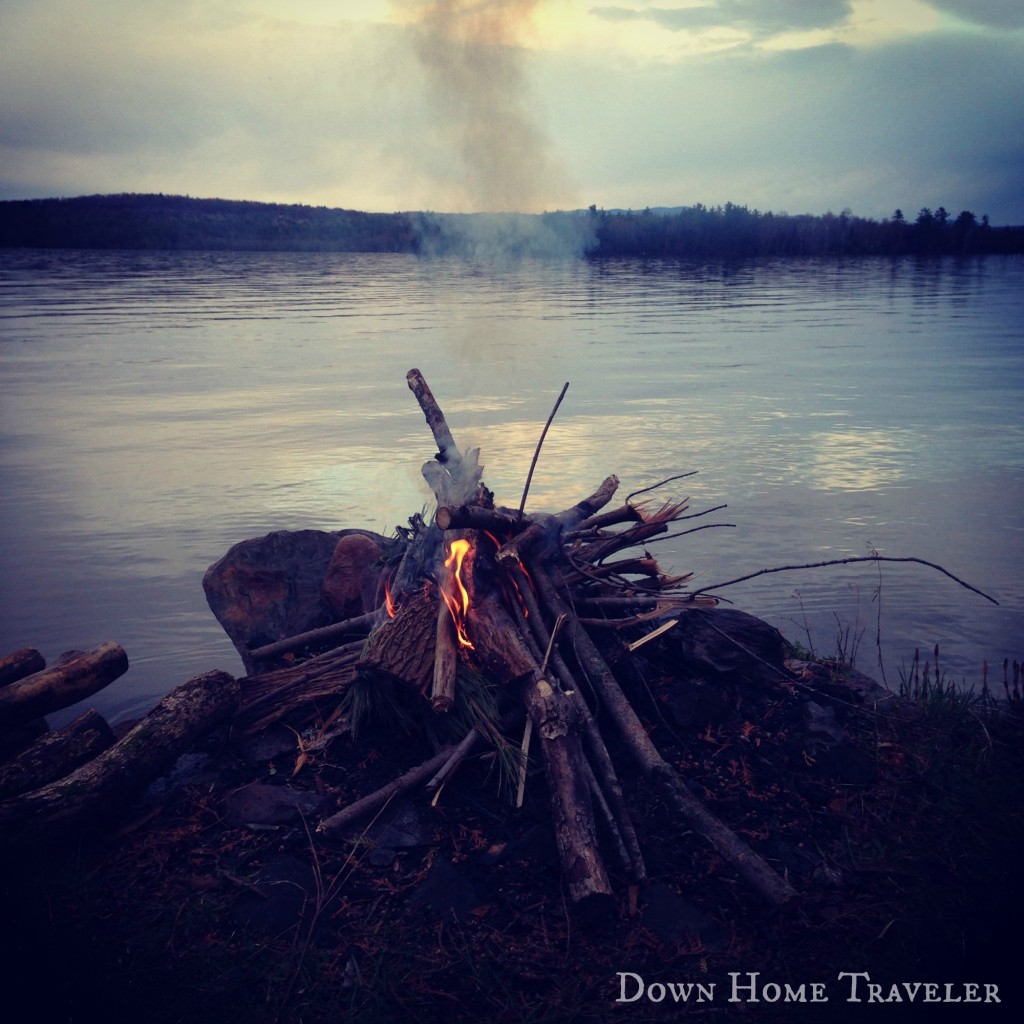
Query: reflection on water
x=861, y=460
x=157, y=407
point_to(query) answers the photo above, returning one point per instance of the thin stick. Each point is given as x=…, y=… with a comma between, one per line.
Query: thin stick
x=844, y=561
x=524, y=756
x=373, y=801
x=358, y=624
x=536, y=454
x=663, y=628
x=458, y=755
x=661, y=483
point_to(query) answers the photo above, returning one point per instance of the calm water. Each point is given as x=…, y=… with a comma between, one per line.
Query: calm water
x=158, y=407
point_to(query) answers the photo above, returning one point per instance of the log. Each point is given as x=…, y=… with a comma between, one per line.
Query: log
x=455, y=476
x=603, y=770
x=506, y=655
x=402, y=648
x=56, y=754
x=74, y=677
x=442, y=692
x=14, y=741
x=556, y=722
x=19, y=664
x=543, y=529
x=106, y=786
x=473, y=517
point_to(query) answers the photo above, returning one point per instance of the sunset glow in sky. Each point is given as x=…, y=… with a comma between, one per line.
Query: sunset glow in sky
x=454, y=105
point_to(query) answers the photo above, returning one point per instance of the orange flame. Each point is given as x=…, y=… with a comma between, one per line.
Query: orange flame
x=458, y=602
x=389, y=604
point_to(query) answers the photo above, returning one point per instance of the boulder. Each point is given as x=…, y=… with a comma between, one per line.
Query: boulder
x=350, y=584
x=269, y=588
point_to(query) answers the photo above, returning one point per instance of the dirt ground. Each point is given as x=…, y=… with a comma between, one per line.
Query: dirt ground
x=899, y=823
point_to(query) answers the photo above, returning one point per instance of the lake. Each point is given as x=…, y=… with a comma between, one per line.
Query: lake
x=158, y=407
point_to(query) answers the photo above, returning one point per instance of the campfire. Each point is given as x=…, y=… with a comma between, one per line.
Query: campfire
x=514, y=621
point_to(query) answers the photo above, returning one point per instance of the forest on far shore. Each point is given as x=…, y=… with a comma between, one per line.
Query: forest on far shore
x=134, y=221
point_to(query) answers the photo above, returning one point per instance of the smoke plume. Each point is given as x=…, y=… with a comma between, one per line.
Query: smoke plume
x=473, y=55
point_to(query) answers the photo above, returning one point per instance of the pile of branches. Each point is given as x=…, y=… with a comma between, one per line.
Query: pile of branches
x=492, y=621
x=503, y=620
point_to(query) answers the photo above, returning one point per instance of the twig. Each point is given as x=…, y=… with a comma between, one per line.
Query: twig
x=347, y=815
x=536, y=453
x=458, y=755
x=661, y=483
x=653, y=635
x=844, y=561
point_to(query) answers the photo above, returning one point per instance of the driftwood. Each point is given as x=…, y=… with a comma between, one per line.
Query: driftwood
x=73, y=678
x=104, y=785
x=55, y=755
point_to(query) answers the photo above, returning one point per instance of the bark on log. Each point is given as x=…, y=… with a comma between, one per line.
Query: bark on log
x=556, y=722
x=106, y=785
x=446, y=663
x=402, y=648
x=55, y=755
x=19, y=664
x=600, y=760
x=267, y=698
x=473, y=517
x=66, y=683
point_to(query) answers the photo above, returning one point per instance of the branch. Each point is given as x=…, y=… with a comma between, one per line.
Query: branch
x=536, y=453
x=844, y=561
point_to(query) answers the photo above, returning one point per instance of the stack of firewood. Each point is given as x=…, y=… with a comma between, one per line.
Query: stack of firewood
x=529, y=603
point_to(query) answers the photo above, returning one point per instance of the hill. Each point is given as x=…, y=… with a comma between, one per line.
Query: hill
x=132, y=221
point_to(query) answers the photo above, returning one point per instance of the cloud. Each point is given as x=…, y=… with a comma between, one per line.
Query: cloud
x=231, y=105
x=935, y=120
x=990, y=13
x=759, y=17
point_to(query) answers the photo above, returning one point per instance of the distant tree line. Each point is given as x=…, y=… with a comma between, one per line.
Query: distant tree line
x=180, y=222
x=736, y=231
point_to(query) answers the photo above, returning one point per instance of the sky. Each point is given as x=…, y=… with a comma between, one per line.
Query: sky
x=798, y=106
